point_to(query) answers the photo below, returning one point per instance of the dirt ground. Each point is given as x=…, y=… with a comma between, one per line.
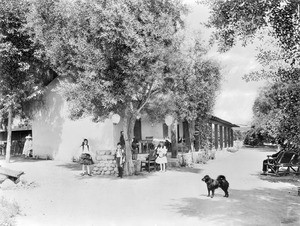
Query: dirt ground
x=55, y=194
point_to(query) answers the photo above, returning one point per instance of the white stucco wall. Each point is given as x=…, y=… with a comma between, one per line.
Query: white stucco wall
x=54, y=134
x=99, y=135
x=149, y=129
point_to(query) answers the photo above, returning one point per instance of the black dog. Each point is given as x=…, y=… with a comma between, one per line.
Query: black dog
x=212, y=185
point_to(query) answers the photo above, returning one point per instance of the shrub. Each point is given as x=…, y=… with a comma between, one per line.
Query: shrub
x=8, y=211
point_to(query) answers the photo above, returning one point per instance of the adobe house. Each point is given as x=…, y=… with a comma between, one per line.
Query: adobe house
x=58, y=137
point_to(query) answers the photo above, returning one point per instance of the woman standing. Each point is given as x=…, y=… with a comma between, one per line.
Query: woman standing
x=134, y=147
x=122, y=140
x=162, y=157
x=85, y=158
x=27, y=150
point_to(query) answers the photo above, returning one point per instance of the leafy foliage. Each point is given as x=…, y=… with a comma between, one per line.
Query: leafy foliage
x=277, y=24
x=243, y=19
x=115, y=52
x=9, y=210
x=124, y=58
x=21, y=74
x=112, y=55
x=195, y=88
x=254, y=137
x=192, y=91
x=276, y=110
x=239, y=135
x=257, y=136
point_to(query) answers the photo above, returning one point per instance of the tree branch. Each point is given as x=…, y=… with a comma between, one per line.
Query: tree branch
x=148, y=97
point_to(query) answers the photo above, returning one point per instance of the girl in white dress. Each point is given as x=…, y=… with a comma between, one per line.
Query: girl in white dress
x=162, y=157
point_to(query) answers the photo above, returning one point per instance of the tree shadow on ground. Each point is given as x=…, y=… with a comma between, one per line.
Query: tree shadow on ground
x=73, y=166
x=186, y=170
x=262, y=149
x=115, y=177
x=20, y=159
x=244, y=207
x=292, y=178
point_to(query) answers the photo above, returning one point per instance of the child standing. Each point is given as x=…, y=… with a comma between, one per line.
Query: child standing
x=85, y=158
x=120, y=158
x=162, y=157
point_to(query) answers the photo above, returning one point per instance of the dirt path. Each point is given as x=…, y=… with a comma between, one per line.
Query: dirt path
x=59, y=196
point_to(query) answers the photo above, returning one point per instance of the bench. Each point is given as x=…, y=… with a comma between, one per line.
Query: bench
x=282, y=164
x=11, y=174
x=295, y=164
x=148, y=165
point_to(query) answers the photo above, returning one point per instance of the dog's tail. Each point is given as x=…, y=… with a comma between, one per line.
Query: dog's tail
x=221, y=177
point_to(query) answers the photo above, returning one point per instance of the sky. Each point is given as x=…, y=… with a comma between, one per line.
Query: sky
x=236, y=97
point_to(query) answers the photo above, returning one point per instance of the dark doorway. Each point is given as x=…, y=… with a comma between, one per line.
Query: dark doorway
x=185, y=135
x=138, y=129
x=165, y=130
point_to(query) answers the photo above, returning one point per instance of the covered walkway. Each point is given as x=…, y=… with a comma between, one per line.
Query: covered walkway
x=222, y=133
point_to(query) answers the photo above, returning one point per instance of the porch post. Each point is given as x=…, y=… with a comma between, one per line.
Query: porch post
x=216, y=136
x=197, y=137
x=221, y=137
x=231, y=137
x=210, y=135
x=225, y=136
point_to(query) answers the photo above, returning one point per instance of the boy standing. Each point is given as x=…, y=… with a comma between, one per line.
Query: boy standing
x=120, y=158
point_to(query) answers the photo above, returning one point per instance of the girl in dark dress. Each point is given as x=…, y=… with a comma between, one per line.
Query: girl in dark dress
x=86, y=158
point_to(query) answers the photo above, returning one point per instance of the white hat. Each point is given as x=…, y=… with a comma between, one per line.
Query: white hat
x=28, y=137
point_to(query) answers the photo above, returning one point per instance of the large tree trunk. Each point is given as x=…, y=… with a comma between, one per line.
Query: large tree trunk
x=191, y=136
x=128, y=127
x=9, y=129
x=197, y=135
x=174, y=140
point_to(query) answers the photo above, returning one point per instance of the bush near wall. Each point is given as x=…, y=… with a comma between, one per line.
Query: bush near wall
x=8, y=211
x=202, y=156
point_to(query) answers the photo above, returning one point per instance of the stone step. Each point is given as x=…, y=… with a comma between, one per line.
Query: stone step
x=173, y=162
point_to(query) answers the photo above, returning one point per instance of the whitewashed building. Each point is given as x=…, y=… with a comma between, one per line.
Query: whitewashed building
x=56, y=136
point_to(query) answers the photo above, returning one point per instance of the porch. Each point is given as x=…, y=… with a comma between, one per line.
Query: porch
x=221, y=136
